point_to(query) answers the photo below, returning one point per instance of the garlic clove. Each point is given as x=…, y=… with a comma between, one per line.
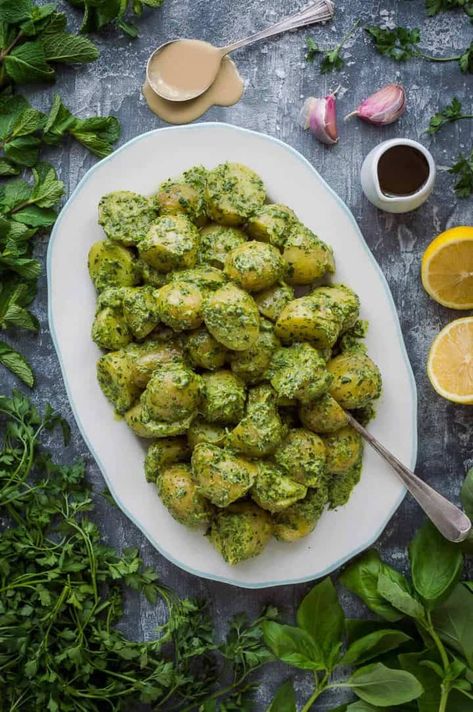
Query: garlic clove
x=319, y=114
x=383, y=107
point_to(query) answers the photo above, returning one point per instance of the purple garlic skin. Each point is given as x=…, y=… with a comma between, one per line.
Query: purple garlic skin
x=383, y=107
x=319, y=114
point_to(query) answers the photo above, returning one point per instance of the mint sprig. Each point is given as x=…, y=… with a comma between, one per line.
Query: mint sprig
x=99, y=14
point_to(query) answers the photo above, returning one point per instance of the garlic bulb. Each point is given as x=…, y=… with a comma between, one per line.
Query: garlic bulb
x=383, y=107
x=319, y=114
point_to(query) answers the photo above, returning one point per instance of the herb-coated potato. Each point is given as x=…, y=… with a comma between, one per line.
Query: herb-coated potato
x=171, y=243
x=203, y=351
x=179, y=495
x=271, y=301
x=302, y=456
x=180, y=305
x=341, y=486
x=308, y=258
x=115, y=374
x=304, y=320
x=298, y=371
x=146, y=357
x=344, y=449
x=231, y=316
x=173, y=393
x=164, y=452
x=323, y=415
x=272, y=223
x=202, y=432
x=177, y=196
x=205, y=278
x=140, y=309
x=254, y=266
x=234, y=192
x=149, y=276
x=216, y=241
x=356, y=379
x=125, y=216
x=341, y=300
x=251, y=365
x=261, y=430
x=300, y=519
x=111, y=265
x=274, y=490
x=240, y=532
x=221, y=476
x=110, y=330
x=145, y=427
x=223, y=397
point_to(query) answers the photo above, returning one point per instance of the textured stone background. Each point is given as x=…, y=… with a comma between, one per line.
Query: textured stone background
x=277, y=79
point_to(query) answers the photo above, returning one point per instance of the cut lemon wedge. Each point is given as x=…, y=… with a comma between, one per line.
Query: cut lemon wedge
x=447, y=268
x=450, y=362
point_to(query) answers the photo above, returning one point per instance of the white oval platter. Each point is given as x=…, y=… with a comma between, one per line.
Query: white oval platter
x=140, y=165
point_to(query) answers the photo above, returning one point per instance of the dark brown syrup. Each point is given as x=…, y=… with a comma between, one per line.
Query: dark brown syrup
x=402, y=170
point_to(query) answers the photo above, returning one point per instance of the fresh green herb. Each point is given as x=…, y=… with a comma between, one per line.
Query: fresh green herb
x=62, y=596
x=100, y=13
x=33, y=39
x=401, y=44
x=450, y=113
x=433, y=7
x=332, y=58
x=463, y=169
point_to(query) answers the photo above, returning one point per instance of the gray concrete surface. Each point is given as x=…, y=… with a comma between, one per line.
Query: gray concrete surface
x=277, y=79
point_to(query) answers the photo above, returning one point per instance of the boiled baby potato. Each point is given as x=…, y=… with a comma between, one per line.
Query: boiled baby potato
x=307, y=257
x=172, y=242
x=341, y=300
x=273, y=490
x=150, y=354
x=271, y=223
x=240, y=532
x=164, y=452
x=110, y=330
x=178, y=493
x=304, y=320
x=223, y=397
x=261, y=430
x=185, y=195
x=203, y=432
x=344, y=449
x=180, y=305
x=173, y=393
x=126, y=217
x=141, y=310
x=221, y=476
x=216, y=241
x=231, y=316
x=356, y=379
x=271, y=301
x=323, y=415
x=234, y=192
x=115, y=374
x=111, y=265
x=251, y=365
x=300, y=519
x=298, y=371
x=254, y=266
x=138, y=419
x=302, y=457
x=204, y=277
x=203, y=351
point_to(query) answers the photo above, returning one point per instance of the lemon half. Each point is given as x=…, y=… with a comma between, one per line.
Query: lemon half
x=447, y=268
x=450, y=362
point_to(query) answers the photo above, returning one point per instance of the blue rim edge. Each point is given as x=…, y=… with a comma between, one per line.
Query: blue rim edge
x=169, y=557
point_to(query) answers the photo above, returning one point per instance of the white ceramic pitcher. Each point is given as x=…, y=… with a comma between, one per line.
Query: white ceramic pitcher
x=395, y=203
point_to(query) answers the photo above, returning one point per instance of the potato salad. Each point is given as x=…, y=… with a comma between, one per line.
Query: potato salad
x=231, y=350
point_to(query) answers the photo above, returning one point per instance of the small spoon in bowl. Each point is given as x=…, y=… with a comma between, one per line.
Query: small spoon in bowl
x=451, y=522
x=184, y=69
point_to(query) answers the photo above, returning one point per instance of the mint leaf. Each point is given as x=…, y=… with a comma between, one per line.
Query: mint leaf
x=97, y=133
x=27, y=63
x=16, y=363
x=23, y=150
x=13, y=11
x=68, y=48
x=47, y=189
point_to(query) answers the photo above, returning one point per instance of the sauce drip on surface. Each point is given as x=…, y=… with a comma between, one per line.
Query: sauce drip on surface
x=184, y=69
x=225, y=91
x=402, y=170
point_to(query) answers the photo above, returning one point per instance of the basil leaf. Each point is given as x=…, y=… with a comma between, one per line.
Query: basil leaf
x=453, y=621
x=395, y=589
x=292, y=645
x=360, y=706
x=429, y=701
x=361, y=578
x=469, y=585
x=466, y=494
x=436, y=565
x=27, y=63
x=16, y=363
x=321, y=615
x=382, y=686
x=373, y=645
x=284, y=700
x=68, y=48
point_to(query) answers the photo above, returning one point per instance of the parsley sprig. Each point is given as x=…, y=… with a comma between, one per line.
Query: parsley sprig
x=463, y=169
x=332, y=59
x=433, y=7
x=449, y=114
x=97, y=15
x=401, y=44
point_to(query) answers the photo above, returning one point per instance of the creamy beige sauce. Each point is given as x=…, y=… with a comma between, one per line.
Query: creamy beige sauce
x=226, y=90
x=184, y=69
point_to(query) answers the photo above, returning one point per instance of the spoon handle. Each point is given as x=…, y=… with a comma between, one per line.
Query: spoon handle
x=319, y=11
x=451, y=522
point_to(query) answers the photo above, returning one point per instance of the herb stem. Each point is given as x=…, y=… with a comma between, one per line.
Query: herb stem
x=349, y=34
x=438, y=643
x=319, y=689
x=429, y=58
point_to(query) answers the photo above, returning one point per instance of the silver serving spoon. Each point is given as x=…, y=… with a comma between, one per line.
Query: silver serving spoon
x=451, y=522
x=166, y=57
